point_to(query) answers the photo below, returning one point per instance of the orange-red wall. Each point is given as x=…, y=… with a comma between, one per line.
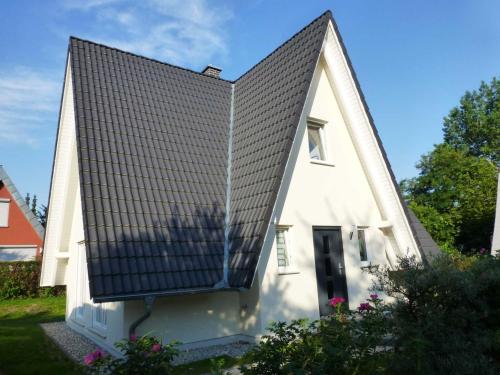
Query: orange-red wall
x=19, y=231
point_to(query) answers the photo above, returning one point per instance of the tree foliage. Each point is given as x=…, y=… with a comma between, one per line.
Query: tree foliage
x=454, y=194
x=475, y=123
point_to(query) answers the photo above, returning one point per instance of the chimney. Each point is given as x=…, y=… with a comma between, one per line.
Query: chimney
x=212, y=71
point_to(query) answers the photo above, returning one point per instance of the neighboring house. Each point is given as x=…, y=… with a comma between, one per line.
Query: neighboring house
x=21, y=235
x=232, y=203
x=495, y=243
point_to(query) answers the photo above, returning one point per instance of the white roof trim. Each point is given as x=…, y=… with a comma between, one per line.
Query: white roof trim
x=343, y=82
x=61, y=172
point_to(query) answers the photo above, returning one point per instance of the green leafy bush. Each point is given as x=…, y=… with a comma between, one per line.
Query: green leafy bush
x=443, y=319
x=142, y=355
x=22, y=280
x=345, y=342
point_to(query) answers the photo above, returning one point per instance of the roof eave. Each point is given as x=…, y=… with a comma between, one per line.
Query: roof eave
x=168, y=293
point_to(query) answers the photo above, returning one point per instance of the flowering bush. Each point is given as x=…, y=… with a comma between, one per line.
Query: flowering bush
x=345, y=342
x=443, y=319
x=142, y=355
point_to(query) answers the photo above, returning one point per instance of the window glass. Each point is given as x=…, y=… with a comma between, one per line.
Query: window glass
x=281, y=246
x=4, y=212
x=362, y=245
x=316, y=151
x=99, y=315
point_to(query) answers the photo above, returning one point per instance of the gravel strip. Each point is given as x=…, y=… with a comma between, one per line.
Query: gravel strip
x=76, y=346
x=236, y=349
x=73, y=344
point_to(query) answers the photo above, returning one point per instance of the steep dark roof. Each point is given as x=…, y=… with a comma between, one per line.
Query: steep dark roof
x=428, y=247
x=152, y=144
x=158, y=172
x=268, y=102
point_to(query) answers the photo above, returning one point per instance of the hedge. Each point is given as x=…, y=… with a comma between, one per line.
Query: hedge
x=22, y=280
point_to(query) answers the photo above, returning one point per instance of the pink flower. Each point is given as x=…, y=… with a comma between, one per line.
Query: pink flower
x=374, y=296
x=156, y=348
x=133, y=337
x=336, y=300
x=89, y=358
x=92, y=357
x=365, y=307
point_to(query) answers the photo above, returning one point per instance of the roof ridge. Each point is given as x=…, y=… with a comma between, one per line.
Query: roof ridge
x=326, y=13
x=147, y=58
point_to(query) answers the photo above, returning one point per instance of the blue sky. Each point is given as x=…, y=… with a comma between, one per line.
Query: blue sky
x=414, y=59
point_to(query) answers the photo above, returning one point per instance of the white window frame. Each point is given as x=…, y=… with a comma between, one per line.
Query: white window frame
x=364, y=229
x=97, y=308
x=4, y=212
x=321, y=126
x=291, y=267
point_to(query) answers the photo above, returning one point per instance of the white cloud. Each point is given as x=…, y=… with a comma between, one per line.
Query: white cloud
x=28, y=104
x=86, y=4
x=183, y=32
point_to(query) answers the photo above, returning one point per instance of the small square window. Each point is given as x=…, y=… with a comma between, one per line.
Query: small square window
x=363, y=255
x=316, y=142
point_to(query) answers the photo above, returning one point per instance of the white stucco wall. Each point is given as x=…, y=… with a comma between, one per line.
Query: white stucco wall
x=67, y=269
x=191, y=319
x=320, y=195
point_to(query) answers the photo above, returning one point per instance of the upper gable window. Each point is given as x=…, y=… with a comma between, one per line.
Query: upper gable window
x=4, y=212
x=316, y=137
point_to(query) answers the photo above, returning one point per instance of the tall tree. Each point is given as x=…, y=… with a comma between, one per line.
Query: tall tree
x=454, y=193
x=454, y=196
x=474, y=125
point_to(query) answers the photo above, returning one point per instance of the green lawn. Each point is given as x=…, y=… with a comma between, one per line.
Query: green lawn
x=24, y=348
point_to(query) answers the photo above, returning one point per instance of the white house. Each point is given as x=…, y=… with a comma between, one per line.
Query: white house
x=200, y=209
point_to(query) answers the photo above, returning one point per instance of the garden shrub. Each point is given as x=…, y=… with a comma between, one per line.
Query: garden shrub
x=22, y=280
x=143, y=355
x=443, y=319
x=345, y=342
x=440, y=316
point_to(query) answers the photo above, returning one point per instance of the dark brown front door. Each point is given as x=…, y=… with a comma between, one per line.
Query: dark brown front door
x=330, y=267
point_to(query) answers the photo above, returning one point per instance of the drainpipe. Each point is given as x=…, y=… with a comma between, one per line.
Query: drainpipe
x=148, y=302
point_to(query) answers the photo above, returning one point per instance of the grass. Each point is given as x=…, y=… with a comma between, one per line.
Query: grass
x=25, y=349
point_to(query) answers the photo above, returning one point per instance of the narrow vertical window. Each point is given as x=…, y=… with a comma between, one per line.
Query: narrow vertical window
x=4, y=212
x=281, y=247
x=363, y=255
x=99, y=318
x=284, y=250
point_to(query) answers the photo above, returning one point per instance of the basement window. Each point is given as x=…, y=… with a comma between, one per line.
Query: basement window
x=4, y=212
x=283, y=250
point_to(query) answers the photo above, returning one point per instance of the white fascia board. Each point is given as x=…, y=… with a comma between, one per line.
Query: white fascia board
x=342, y=80
x=61, y=172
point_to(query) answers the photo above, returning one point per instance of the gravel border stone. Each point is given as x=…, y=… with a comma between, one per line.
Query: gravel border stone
x=236, y=349
x=73, y=344
x=76, y=346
